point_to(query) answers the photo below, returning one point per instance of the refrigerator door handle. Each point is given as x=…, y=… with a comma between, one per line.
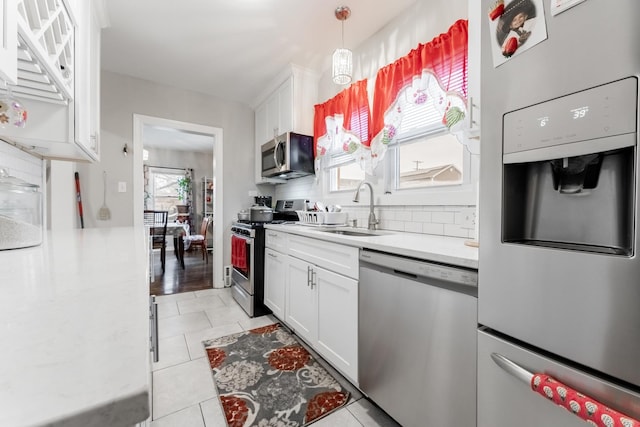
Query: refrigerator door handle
x=564, y=396
x=512, y=368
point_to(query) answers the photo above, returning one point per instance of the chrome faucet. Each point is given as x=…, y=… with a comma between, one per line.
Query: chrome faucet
x=372, y=216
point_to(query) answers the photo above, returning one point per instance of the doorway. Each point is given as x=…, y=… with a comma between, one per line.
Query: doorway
x=188, y=132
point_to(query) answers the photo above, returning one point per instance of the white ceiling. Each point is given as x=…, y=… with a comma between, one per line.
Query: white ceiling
x=176, y=139
x=232, y=49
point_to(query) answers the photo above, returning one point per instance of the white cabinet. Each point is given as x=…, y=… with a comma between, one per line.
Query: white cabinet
x=276, y=272
x=280, y=110
x=312, y=286
x=277, y=240
x=288, y=106
x=275, y=277
x=58, y=62
x=87, y=80
x=476, y=20
x=337, y=334
x=333, y=256
x=9, y=41
x=302, y=302
x=322, y=300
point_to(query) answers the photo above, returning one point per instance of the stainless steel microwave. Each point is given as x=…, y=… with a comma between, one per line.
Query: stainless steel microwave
x=287, y=156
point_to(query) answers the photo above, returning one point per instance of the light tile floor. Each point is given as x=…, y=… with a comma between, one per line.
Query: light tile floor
x=183, y=393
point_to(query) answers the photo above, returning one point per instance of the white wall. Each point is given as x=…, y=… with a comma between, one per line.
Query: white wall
x=419, y=24
x=124, y=96
x=63, y=213
x=200, y=162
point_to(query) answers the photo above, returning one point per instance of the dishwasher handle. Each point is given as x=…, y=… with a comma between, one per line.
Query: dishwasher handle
x=417, y=268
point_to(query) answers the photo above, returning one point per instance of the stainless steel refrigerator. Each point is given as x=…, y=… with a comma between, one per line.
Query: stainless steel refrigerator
x=559, y=272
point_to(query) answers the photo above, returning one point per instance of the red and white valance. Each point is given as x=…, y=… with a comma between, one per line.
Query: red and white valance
x=341, y=124
x=433, y=72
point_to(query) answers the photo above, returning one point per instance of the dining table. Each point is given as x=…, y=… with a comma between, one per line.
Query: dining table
x=178, y=230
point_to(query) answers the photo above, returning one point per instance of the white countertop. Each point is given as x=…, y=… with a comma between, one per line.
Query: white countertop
x=75, y=330
x=447, y=250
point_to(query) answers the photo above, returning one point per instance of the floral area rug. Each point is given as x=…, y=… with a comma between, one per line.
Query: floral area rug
x=265, y=378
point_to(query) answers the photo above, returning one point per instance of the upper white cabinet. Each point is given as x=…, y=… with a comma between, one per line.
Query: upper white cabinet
x=87, y=83
x=288, y=106
x=9, y=41
x=58, y=51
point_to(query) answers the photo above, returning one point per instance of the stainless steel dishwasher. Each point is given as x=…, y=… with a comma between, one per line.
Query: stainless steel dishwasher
x=417, y=339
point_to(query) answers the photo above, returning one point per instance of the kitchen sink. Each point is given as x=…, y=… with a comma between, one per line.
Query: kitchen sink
x=355, y=232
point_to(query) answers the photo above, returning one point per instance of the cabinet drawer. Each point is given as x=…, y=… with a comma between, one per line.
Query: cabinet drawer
x=505, y=401
x=276, y=240
x=341, y=259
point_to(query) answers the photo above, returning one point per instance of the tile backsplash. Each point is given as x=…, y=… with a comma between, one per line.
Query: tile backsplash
x=438, y=220
x=441, y=220
x=20, y=164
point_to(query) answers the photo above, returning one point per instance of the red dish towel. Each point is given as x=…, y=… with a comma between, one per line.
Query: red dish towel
x=583, y=406
x=238, y=253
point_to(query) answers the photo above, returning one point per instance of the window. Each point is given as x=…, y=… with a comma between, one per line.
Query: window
x=425, y=154
x=345, y=173
x=429, y=161
x=341, y=130
x=164, y=189
x=345, y=177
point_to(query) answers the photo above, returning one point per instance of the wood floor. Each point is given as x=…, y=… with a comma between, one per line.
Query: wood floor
x=197, y=274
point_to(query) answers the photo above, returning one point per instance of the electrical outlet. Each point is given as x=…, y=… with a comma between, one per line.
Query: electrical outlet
x=468, y=219
x=122, y=187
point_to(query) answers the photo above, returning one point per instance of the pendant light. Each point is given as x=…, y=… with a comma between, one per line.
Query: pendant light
x=342, y=58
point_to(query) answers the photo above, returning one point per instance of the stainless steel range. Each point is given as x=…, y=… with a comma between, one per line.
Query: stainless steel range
x=247, y=275
x=247, y=250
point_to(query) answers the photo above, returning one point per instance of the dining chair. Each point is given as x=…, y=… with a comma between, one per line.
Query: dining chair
x=200, y=240
x=157, y=221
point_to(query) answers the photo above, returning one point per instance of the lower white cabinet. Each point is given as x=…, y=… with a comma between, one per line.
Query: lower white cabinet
x=337, y=333
x=322, y=307
x=302, y=302
x=275, y=276
x=312, y=286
